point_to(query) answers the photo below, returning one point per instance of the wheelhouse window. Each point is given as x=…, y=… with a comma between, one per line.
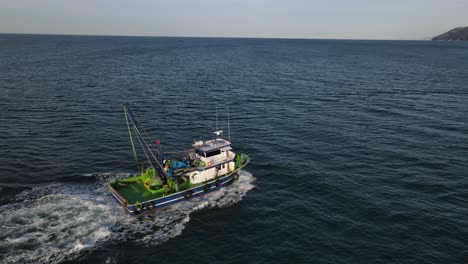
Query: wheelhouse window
x=212, y=153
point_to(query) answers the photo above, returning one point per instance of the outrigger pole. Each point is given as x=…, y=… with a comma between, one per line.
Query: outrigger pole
x=131, y=138
x=154, y=161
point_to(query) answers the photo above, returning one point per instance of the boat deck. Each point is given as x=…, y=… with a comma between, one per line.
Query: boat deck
x=134, y=191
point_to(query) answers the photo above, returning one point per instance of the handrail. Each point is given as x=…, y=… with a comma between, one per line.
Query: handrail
x=212, y=161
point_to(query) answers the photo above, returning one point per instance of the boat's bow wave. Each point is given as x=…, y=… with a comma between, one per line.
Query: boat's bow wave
x=55, y=223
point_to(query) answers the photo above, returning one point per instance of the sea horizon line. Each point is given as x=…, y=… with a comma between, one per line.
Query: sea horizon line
x=207, y=37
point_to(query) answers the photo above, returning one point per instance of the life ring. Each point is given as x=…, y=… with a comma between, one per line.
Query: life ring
x=235, y=176
x=188, y=195
x=210, y=163
x=207, y=188
x=218, y=182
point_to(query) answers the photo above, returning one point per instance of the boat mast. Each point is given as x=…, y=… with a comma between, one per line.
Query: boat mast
x=131, y=138
x=229, y=127
x=216, y=118
x=152, y=159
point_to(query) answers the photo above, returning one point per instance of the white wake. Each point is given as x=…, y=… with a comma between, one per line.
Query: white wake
x=54, y=223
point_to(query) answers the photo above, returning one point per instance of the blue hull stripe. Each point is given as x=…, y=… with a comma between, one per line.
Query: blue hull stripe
x=173, y=198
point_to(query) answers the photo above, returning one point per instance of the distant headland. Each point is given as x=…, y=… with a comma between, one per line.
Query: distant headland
x=459, y=33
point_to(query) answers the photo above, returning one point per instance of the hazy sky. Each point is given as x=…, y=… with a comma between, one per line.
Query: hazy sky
x=347, y=19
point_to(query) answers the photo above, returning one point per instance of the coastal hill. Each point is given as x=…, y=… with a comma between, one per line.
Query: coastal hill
x=460, y=33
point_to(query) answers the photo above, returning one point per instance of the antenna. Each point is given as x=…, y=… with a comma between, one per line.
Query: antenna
x=216, y=118
x=229, y=128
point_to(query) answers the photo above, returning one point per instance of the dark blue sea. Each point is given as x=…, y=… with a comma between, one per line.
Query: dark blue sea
x=359, y=149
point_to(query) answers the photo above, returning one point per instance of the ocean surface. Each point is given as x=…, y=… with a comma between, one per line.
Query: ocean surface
x=359, y=149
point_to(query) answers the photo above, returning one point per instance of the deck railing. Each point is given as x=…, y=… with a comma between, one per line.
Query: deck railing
x=216, y=160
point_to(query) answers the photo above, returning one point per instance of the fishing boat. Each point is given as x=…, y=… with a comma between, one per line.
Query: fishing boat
x=205, y=167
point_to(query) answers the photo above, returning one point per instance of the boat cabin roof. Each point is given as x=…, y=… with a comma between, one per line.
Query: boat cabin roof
x=214, y=144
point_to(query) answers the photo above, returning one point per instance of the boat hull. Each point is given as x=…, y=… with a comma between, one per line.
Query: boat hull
x=159, y=203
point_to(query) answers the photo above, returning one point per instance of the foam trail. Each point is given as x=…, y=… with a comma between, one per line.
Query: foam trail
x=55, y=223
x=161, y=226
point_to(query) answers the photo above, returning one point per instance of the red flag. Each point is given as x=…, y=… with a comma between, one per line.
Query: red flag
x=157, y=142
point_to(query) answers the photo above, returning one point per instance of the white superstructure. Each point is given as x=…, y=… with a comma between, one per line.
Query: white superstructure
x=215, y=157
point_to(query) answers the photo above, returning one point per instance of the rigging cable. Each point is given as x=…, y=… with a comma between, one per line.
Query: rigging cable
x=131, y=138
